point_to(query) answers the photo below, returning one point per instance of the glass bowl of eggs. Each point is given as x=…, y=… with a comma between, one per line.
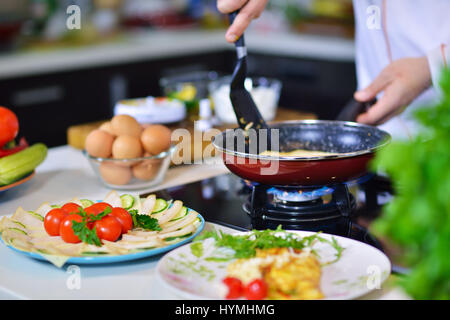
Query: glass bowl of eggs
x=127, y=155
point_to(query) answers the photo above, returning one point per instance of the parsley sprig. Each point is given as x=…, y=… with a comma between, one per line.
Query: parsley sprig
x=144, y=221
x=86, y=235
x=244, y=246
x=81, y=229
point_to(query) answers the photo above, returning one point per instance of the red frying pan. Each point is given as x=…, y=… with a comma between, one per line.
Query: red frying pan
x=353, y=144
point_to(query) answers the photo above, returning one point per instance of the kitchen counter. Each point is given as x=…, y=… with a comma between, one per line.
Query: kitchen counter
x=162, y=44
x=66, y=174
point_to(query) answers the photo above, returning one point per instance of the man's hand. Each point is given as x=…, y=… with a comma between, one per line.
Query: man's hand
x=402, y=81
x=249, y=10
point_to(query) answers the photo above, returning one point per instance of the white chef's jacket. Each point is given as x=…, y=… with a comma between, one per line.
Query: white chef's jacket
x=387, y=30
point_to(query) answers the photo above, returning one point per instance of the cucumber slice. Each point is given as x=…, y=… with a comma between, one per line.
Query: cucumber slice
x=179, y=237
x=20, y=224
x=86, y=203
x=160, y=206
x=183, y=212
x=90, y=253
x=19, y=230
x=127, y=201
x=36, y=215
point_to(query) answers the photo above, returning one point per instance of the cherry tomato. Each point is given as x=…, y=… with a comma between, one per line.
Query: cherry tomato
x=53, y=220
x=66, y=230
x=235, y=287
x=9, y=126
x=256, y=290
x=70, y=207
x=97, y=208
x=108, y=228
x=124, y=217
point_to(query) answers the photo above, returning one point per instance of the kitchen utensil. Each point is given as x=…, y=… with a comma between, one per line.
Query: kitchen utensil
x=247, y=113
x=354, y=145
x=158, y=164
x=353, y=108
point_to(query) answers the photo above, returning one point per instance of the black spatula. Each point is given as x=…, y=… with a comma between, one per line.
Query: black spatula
x=247, y=113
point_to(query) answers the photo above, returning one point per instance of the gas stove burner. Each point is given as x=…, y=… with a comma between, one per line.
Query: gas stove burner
x=222, y=198
x=360, y=180
x=294, y=208
x=298, y=195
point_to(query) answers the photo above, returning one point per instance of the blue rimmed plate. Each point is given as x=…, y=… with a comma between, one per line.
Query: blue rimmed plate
x=104, y=259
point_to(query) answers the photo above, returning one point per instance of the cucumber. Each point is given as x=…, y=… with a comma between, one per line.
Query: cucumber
x=20, y=224
x=179, y=237
x=160, y=206
x=86, y=203
x=127, y=201
x=36, y=215
x=90, y=253
x=19, y=230
x=183, y=212
x=18, y=165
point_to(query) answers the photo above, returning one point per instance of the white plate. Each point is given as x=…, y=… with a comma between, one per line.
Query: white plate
x=361, y=269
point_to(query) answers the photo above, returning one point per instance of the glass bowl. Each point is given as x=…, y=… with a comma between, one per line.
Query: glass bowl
x=130, y=174
x=265, y=92
x=189, y=87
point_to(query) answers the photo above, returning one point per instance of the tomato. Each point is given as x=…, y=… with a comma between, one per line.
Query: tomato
x=97, y=208
x=53, y=220
x=108, y=228
x=71, y=207
x=235, y=287
x=66, y=230
x=23, y=144
x=256, y=290
x=9, y=126
x=124, y=217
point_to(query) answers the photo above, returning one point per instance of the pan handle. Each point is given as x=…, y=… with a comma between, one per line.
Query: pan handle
x=353, y=108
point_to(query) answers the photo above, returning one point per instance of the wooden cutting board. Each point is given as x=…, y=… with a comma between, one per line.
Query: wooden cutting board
x=196, y=144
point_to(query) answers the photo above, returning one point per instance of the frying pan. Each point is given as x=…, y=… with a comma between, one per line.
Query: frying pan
x=354, y=146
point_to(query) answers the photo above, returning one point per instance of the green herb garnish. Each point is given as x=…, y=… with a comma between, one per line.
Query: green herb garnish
x=86, y=235
x=144, y=221
x=244, y=246
x=81, y=229
x=418, y=218
x=99, y=216
x=197, y=249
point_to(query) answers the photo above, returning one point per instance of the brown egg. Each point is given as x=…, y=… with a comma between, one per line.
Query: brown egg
x=156, y=138
x=125, y=147
x=147, y=169
x=99, y=143
x=114, y=174
x=107, y=127
x=125, y=125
